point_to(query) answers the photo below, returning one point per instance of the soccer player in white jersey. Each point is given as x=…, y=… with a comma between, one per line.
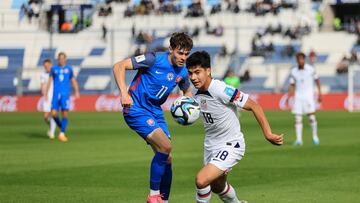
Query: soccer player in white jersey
x=46, y=105
x=224, y=143
x=302, y=80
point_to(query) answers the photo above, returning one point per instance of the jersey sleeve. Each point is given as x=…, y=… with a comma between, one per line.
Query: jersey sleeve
x=52, y=72
x=184, y=84
x=315, y=75
x=292, y=78
x=71, y=73
x=143, y=61
x=230, y=95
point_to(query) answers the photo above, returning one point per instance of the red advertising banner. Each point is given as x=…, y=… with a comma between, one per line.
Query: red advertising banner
x=101, y=103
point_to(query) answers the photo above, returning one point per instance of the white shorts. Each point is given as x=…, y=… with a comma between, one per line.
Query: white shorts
x=226, y=156
x=303, y=106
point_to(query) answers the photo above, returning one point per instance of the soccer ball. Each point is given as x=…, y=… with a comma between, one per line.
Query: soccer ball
x=185, y=110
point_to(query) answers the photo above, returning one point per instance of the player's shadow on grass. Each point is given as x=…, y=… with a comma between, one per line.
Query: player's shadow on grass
x=34, y=135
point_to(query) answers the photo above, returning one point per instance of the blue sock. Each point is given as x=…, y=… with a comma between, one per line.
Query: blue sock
x=166, y=182
x=157, y=170
x=64, y=122
x=57, y=121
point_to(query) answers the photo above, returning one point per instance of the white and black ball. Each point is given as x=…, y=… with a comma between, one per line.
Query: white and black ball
x=185, y=110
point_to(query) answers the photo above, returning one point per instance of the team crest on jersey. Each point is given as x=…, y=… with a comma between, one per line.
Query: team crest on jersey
x=229, y=91
x=140, y=58
x=66, y=71
x=203, y=104
x=170, y=76
x=178, y=79
x=150, y=122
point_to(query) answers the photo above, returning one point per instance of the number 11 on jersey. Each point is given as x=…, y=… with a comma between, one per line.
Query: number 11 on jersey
x=161, y=91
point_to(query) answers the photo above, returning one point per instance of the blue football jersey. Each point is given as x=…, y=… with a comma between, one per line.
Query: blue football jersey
x=62, y=77
x=155, y=79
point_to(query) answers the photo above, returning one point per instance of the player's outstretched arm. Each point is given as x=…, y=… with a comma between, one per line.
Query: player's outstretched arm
x=43, y=88
x=263, y=122
x=76, y=87
x=48, y=85
x=290, y=92
x=119, y=74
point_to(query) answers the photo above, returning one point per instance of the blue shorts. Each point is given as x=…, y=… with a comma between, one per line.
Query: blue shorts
x=60, y=101
x=144, y=122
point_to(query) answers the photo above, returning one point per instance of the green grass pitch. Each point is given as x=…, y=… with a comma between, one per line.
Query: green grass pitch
x=104, y=161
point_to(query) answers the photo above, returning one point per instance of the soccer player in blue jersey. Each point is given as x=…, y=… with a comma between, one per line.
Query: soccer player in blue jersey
x=61, y=76
x=158, y=74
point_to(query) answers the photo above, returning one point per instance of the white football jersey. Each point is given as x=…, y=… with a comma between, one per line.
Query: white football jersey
x=44, y=78
x=220, y=114
x=304, y=81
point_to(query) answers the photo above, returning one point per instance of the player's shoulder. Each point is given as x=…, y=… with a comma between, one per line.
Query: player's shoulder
x=219, y=87
x=309, y=67
x=294, y=69
x=160, y=57
x=68, y=66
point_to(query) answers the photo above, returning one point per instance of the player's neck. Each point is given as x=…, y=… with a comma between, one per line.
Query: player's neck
x=301, y=67
x=171, y=61
x=206, y=85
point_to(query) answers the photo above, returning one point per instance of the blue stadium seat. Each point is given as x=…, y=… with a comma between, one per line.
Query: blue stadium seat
x=97, y=52
x=7, y=75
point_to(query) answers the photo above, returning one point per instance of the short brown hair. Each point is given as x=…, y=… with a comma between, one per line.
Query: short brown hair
x=181, y=40
x=300, y=54
x=62, y=53
x=47, y=61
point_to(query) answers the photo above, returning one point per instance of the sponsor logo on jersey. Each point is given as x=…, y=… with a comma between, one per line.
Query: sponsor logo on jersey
x=178, y=79
x=229, y=91
x=170, y=76
x=158, y=72
x=150, y=122
x=140, y=58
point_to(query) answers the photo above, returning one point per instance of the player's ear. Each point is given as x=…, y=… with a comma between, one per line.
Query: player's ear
x=170, y=50
x=208, y=71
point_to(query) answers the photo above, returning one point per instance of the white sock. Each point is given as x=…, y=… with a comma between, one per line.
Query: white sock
x=313, y=124
x=203, y=195
x=298, y=128
x=228, y=195
x=166, y=201
x=52, y=127
x=154, y=192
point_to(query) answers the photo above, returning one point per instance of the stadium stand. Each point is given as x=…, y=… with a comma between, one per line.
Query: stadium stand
x=24, y=45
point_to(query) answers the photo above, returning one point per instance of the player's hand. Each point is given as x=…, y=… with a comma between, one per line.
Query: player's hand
x=275, y=139
x=287, y=101
x=319, y=98
x=126, y=100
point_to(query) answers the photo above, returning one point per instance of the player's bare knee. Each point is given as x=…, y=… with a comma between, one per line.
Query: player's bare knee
x=165, y=148
x=53, y=113
x=201, y=182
